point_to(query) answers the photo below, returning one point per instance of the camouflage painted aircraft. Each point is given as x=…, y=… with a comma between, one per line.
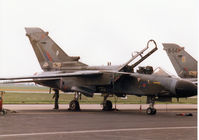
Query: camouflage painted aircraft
x=184, y=64
x=68, y=74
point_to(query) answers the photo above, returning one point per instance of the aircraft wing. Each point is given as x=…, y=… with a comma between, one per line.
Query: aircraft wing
x=13, y=81
x=50, y=76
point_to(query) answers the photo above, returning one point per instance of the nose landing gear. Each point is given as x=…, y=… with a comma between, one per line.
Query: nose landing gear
x=151, y=111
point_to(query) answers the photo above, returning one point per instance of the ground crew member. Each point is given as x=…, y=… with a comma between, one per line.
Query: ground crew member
x=56, y=96
x=2, y=111
x=1, y=104
x=1, y=101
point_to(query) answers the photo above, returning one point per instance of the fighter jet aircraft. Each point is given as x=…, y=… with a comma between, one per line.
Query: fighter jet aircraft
x=68, y=74
x=184, y=64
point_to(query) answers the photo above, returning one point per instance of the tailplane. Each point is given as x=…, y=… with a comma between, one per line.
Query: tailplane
x=184, y=64
x=49, y=54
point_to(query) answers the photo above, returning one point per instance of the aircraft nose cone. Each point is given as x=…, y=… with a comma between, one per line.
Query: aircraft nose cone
x=185, y=89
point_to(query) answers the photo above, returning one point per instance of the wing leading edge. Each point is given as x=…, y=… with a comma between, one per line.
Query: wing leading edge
x=51, y=76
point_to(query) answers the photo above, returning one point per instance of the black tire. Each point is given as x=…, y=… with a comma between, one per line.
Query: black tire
x=107, y=106
x=74, y=105
x=151, y=111
x=3, y=112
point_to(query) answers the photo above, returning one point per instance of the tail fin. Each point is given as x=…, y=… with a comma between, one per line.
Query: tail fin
x=49, y=54
x=184, y=64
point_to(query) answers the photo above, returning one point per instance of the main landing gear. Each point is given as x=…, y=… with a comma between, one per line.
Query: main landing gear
x=74, y=104
x=107, y=104
x=151, y=110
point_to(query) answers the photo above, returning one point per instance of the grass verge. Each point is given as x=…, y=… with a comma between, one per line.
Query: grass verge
x=44, y=98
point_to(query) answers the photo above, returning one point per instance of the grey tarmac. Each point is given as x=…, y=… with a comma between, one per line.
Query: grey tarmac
x=48, y=124
x=98, y=106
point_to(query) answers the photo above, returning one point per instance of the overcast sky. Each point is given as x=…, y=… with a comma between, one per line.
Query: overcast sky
x=98, y=31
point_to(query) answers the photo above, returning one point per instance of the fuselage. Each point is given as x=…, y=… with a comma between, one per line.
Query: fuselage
x=122, y=84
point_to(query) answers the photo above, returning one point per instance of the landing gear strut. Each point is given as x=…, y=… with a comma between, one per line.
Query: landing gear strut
x=151, y=110
x=74, y=104
x=107, y=104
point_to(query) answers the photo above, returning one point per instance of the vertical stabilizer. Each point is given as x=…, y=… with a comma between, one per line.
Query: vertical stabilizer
x=49, y=54
x=184, y=64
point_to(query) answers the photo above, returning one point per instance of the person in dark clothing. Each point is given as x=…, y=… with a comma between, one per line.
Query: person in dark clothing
x=56, y=96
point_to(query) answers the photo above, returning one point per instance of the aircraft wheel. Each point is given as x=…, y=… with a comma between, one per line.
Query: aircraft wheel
x=107, y=106
x=154, y=111
x=151, y=111
x=3, y=112
x=74, y=105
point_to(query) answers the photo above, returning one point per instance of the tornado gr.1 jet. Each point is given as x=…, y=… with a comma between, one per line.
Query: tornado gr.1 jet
x=68, y=74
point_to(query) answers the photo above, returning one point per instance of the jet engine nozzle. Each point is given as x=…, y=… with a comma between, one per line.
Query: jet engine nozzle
x=185, y=89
